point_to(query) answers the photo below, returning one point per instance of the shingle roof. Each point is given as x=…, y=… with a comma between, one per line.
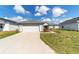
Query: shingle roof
x=30, y=21
x=40, y=22
x=74, y=20
x=7, y=20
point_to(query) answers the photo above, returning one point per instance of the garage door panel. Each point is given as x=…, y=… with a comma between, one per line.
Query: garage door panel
x=31, y=28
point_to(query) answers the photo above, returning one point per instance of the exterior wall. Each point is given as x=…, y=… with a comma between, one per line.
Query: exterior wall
x=10, y=26
x=1, y=29
x=20, y=27
x=78, y=26
x=13, y=26
x=6, y=26
x=41, y=27
x=73, y=26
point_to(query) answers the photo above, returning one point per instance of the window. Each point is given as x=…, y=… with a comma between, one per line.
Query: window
x=1, y=25
x=62, y=26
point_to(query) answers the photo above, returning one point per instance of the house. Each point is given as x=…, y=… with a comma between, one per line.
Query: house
x=31, y=26
x=72, y=24
x=25, y=26
x=7, y=25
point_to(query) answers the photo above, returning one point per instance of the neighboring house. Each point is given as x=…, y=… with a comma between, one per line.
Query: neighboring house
x=7, y=25
x=72, y=24
x=25, y=26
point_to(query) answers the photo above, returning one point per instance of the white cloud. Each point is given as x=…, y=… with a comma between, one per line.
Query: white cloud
x=27, y=11
x=57, y=21
x=38, y=14
x=57, y=11
x=46, y=19
x=20, y=9
x=36, y=8
x=63, y=15
x=17, y=18
x=6, y=18
x=41, y=9
x=64, y=19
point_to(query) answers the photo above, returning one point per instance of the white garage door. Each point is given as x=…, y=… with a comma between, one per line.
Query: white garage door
x=30, y=28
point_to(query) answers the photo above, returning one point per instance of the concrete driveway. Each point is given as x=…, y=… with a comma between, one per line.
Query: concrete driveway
x=24, y=42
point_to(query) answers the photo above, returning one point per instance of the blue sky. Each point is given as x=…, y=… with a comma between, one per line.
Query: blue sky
x=53, y=13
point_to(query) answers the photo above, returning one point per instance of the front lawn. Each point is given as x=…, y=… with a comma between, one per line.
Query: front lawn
x=63, y=41
x=7, y=33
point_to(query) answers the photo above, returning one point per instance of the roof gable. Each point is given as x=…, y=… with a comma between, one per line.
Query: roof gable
x=74, y=20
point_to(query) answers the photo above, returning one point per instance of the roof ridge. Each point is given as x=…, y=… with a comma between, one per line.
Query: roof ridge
x=73, y=20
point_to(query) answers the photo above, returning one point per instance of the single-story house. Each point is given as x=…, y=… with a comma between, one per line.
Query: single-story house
x=72, y=24
x=25, y=26
x=7, y=25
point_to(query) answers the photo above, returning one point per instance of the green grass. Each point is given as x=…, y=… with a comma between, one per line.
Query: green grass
x=63, y=41
x=7, y=33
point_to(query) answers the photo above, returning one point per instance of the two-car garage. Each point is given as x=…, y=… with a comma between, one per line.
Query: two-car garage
x=31, y=26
